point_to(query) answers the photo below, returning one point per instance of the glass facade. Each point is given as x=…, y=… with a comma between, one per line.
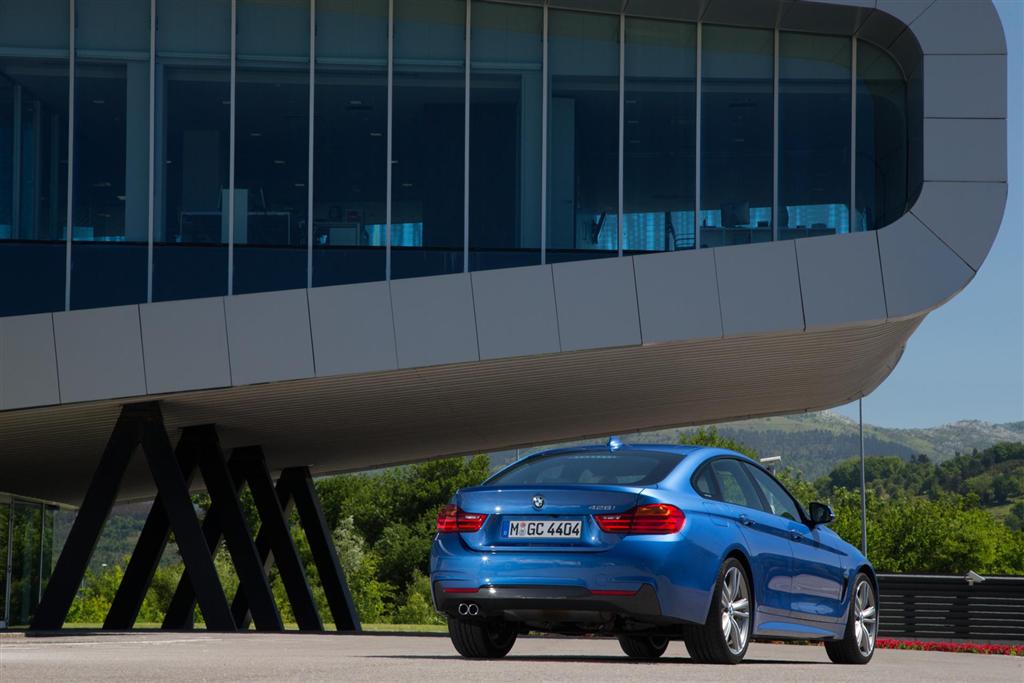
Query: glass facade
x=736, y=136
x=882, y=134
x=505, y=125
x=660, y=136
x=583, y=135
x=192, y=129
x=228, y=146
x=27, y=556
x=814, y=147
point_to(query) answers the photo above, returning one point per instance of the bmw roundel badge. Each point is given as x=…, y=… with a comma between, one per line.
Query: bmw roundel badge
x=538, y=502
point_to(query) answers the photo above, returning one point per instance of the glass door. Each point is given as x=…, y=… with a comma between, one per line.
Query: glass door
x=5, y=528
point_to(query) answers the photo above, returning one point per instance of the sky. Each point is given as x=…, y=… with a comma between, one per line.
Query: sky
x=966, y=361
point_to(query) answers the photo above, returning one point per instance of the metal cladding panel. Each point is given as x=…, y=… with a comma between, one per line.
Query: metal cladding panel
x=597, y=305
x=840, y=279
x=186, y=345
x=268, y=337
x=882, y=29
x=667, y=9
x=904, y=10
x=960, y=27
x=28, y=362
x=99, y=353
x=678, y=296
x=515, y=312
x=749, y=13
x=966, y=216
x=434, y=321
x=843, y=18
x=919, y=270
x=965, y=149
x=353, y=422
x=965, y=86
x=759, y=288
x=353, y=330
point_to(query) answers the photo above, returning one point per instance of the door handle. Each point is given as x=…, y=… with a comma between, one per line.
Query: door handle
x=795, y=535
x=746, y=521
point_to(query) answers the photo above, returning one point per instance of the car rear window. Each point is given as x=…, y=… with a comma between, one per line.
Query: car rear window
x=636, y=468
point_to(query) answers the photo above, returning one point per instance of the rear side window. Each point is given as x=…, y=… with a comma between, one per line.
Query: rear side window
x=636, y=468
x=703, y=482
x=779, y=501
x=735, y=485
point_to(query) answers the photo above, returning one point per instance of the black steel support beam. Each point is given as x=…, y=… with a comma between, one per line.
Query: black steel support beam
x=240, y=606
x=275, y=524
x=138, y=575
x=252, y=579
x=321, y=545
x=99, y=499
x=177, y=504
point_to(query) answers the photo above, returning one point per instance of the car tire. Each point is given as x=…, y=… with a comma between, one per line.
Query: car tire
x=858, y=643
x=716, y=642
x=643, y=647
x=481, y=639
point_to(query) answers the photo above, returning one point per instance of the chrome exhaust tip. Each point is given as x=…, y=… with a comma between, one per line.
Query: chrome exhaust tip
x=474, y=609
x=463, y=609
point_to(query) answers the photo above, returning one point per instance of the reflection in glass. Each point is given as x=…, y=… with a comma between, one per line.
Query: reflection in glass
x=25, y=539
x=660, y=135
x=583, y=135
x=736, y=136
x=881, y=139
x=505, y=125
x=190, y=258
x=5, y=515
x=428, y=139
x=110, y=211
x=271, y=146
x=33, y=163
x=814, y=139
x=350, y=159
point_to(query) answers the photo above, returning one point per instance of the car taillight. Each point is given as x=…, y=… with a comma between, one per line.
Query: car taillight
x=451, y=519
x=655, y=518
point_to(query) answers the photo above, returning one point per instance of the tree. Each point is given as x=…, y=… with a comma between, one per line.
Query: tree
x=711, y=438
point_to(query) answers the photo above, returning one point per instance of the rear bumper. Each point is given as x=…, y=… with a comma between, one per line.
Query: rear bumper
x=552, y=603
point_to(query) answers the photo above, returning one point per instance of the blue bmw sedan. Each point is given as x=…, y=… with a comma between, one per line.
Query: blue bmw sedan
x=650, y=544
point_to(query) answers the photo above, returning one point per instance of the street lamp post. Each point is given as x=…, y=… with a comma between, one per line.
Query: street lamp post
x=863, y=493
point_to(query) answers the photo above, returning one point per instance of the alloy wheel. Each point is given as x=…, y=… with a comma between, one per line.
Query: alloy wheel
x=865, y=614
x=735, y=603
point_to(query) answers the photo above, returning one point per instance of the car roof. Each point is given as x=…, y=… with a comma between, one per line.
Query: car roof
x=626, y=448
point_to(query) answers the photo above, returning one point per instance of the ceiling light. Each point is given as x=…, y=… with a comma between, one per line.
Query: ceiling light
x=256, y=135
x=99, y=101
x=279, y=162
x=376, y=135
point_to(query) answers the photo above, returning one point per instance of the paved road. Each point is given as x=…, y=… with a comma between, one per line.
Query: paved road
x=410, y=659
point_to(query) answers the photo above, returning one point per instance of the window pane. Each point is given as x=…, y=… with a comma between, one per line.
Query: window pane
x=703, y=482
x=271, y=145
x=190, y=258
x=427, y=166
x=505, y=129
x=350, y=174
x=5, y=512
x=779, y=502
x=110, y=212
x=660, y=135
x=735, y=485
x=736, y=136
x=583, y=135
x=814, y=140
x=24, y=553
x=882, y=194
x=33, y=156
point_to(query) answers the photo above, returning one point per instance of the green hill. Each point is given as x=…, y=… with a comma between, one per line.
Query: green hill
x=814, y=443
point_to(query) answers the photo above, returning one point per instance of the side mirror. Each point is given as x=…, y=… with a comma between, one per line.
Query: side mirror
x=821, y=514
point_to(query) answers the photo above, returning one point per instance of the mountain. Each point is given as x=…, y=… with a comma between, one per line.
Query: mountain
x=814, y=442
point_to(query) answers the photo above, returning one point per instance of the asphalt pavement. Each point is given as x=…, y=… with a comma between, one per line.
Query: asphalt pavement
x=412, y=658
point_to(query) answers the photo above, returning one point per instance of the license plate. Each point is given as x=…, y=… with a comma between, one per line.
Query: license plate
x=546, y=528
